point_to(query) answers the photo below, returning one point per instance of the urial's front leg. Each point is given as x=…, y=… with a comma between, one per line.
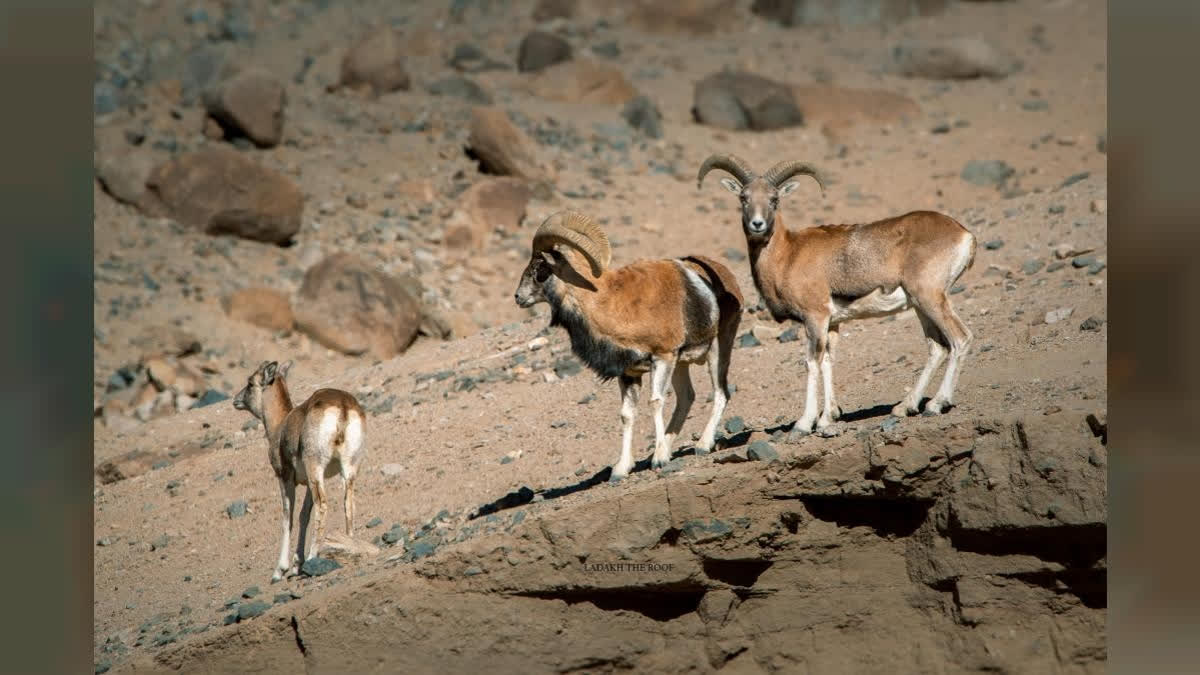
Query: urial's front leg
x=817, y=329
x=629, y=398
x=660, y=382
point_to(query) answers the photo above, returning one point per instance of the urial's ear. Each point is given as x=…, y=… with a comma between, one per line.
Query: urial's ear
x=732, y=185
x=269, y=372
x=285, y=369
x=788, y=187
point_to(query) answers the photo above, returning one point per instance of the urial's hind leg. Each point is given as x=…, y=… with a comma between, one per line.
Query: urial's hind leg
x=720, y=399
x=937, y=351
x=660, y=381
x=959, y=337
x=629, y=398
x=287, y=491
x=316, y=487
x=348, y=500
x=305, y=538
x=681, y=382
x=831, y=405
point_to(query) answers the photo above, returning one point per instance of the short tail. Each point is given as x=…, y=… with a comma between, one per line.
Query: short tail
x=339, y=437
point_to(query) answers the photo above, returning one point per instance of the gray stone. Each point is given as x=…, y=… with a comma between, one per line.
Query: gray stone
x=748, y=340
x=1079, y=262
x=1036, y=105
x=251, y=592
x=1075, y=178
x=1092, y=323
x=987, y=172
x=641, y=114
x=761, y=451
x=790, y=335
x=315, y=567
x=1032, y=266
x=423, y=547
x=701, y=531
x=540, y=49
x=994, y=244
x=460, y=87
x=735, y=425
x=374, y=522
x=251, y=610
x=210, y=397
x=237, y=509
x=608, y=50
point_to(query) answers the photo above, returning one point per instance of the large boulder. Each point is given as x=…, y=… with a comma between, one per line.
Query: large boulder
x=123, y=173
x=540, y=49
x=221, y=191
x=263, y=307
x=683, y=17
x=494, y=203
x=739, y=100
x=583, y=81
x=348, y=305
x=249, y=104
x=953, y=59
x=502, y=148
x=376, y=62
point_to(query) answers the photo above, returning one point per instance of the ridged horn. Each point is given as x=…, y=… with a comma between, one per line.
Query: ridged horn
x=786, y=169
x=577, y=231
x=732, y=163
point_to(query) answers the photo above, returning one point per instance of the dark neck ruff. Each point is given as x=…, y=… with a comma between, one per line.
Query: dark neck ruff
x=601, y=355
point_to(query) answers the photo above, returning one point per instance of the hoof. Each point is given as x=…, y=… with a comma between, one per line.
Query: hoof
x=700, y=452
x=276, y=577
x=837, y=413
x=803, y=426
x=937, y=407
x=901, y=410
x=617, y=477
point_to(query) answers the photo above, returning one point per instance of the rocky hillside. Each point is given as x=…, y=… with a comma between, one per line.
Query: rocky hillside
x=354, y=185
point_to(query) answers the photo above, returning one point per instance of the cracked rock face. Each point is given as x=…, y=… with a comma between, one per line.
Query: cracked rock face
x=977, y=545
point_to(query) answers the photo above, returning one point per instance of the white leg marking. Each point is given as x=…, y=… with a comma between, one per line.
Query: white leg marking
x=287, y=491
x=660, y=374
x=681, y=382
x=629, y=397
x=708, y=438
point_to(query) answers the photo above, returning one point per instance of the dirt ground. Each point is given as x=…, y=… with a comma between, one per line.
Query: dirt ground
x=482, y=425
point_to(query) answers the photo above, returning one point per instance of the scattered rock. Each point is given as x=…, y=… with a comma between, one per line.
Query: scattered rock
x=540, y=49
x=224, y=192
x=607, y=50
x=502, y=148
x=1075, y=178
x=470, y=59
x=1099, y=205
x=1032, y=266
x=344, y=550
x=765, y=332
x=491, y=204
x=160, y=542
x=840, y=13
x=391, y=470
x=738, y=100
x=546, y=10
x=1092, y=323
x=1082, y=261
x=249, y=104
x=735, y=425
x=643, y=115
x=376, y=62
x=748, y=340
x=994, y=245
x=1056, y=315
x=210, y=397
x=348, y=305
x=251, y=592
x=425, y=546
x=123, y=173
x=954, y=58
x=374, y=522
x=761, y=451
x=682, y=17
x=1063, y=251
x=250, y=610
x=237, y=509
x=987, y=172
x=1035, y=105
x=702, y=531
x=460, y=87
x=790, y=335
x=263, y=307
x=318, y=566
x=582, y=81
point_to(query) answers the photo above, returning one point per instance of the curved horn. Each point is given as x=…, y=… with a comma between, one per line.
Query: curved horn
x=732, y=163
x=786, y=169
x=577, y=231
